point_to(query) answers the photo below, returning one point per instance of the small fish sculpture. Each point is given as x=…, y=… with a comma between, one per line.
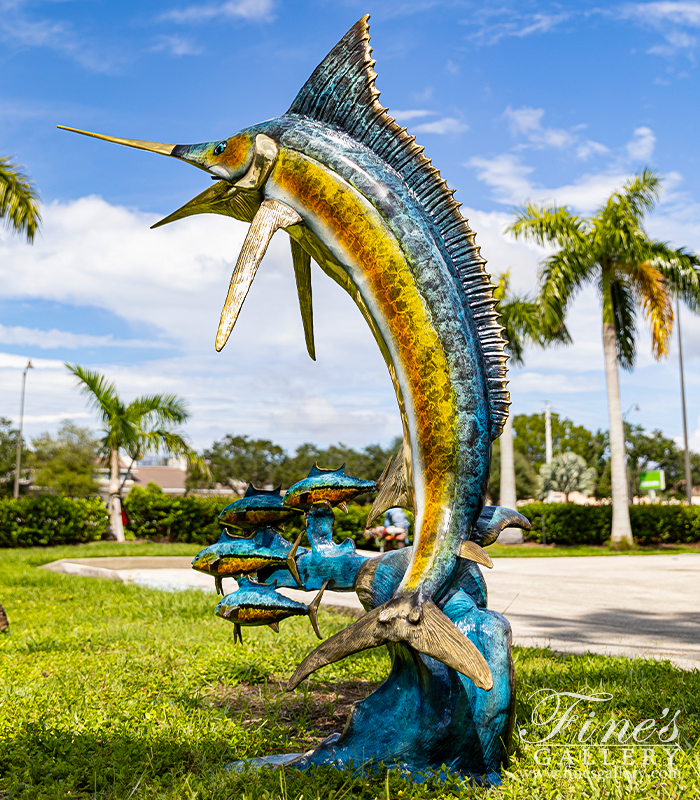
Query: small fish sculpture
x=257, y=604
x=330, y=486
x=237, y=555
x=258, y=508
x=356, y=194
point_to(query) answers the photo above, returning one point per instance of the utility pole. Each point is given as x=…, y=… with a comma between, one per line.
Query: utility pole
x=688, y=473
x=18, y=462
x=548, y=441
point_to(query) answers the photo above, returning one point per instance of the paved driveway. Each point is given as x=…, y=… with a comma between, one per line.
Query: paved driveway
x=622, y=605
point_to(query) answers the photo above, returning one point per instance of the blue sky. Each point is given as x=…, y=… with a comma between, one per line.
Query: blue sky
x=547, y=101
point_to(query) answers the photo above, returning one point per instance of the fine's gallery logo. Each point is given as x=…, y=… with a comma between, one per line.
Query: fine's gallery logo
x=574, y=731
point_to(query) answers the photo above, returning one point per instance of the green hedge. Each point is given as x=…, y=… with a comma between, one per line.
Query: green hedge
x=155, y=515
x=51, y=520
x=566, y=523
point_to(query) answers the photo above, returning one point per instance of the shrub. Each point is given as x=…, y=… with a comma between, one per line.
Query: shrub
x=156, y=515
x=51, y=520
x=567, y=523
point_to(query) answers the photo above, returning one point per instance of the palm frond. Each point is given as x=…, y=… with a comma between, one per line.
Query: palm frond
x=101, y=394
x=19, y=201
x=561, y=276
x=547, y=225
x=681, y=268
x=624, y=312
x=638, y=195
x=651, y=294
x=159, y=408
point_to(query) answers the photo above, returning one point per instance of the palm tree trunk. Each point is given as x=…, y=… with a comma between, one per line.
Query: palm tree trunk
x=621, y=528
x=115, y=500
x=508, y=494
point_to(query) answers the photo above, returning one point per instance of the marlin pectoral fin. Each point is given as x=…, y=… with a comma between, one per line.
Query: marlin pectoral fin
x=313, y=610
x=429, y=631
x=473, y=552
x=271, y=216
x=292, y=564
x=302, y=272
x=275, y=626
x=221, y=198
x=237, y=635
x=393, y=489
x=219, y=583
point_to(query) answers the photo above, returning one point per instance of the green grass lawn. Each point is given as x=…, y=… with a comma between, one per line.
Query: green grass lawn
x=116, y=691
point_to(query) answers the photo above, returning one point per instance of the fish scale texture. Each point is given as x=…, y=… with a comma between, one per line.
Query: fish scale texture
x=341, y=93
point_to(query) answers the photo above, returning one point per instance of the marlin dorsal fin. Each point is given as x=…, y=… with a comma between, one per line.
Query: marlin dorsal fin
x=341, y=93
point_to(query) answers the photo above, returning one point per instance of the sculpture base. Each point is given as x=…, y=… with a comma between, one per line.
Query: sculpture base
x=426, y=720
x=290, y=760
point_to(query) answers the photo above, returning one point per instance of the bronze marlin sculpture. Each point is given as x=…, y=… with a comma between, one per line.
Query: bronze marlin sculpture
x=356, y=193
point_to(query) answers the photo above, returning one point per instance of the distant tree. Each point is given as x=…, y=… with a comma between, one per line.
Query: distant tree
x=612, y=251
x=566, y=437
x=525, y=475
x=236, y=459
x=566, y=472
x=653, y=450
x=19, y=201
x=524, y=324
x=146, y=424
x=67, y=463
x=8, y=455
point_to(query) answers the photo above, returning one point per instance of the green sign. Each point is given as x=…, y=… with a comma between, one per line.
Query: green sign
x=656, y=479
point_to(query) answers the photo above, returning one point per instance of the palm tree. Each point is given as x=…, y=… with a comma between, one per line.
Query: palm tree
x=524, y=323
x=19, y=202
x=566, y=473
x=146, y=424
x=19, y=207
x=632, y=271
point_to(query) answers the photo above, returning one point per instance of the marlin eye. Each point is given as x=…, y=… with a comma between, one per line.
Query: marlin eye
x=219, y=149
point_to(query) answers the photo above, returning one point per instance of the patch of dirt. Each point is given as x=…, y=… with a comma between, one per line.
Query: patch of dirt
x=310, y=713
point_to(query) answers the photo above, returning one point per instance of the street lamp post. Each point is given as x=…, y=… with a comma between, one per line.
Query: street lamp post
x=688, y=473
x=18, y=462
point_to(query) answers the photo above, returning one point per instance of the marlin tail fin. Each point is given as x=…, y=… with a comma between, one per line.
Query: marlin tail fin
x=425, y=628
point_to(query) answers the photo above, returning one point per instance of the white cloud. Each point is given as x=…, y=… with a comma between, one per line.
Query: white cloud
x=17, y=28
x=93, y=254
x=669, y=18
x=441, y=127
x=513, y=23
x=511, y=179
x=680, y=13
x=53, y=339
x=176, y=46
x=641, y=146
x=528, y=122
x=258, y=10
x=589, y=148
x=406, y=115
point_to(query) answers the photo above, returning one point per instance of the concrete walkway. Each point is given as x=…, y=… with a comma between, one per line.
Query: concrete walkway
x=619, y=605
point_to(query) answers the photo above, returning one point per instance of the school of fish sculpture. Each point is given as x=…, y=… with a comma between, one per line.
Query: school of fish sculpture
x=356, y=194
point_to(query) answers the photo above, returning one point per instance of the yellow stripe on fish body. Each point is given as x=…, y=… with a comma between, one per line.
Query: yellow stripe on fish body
x=366, y=247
